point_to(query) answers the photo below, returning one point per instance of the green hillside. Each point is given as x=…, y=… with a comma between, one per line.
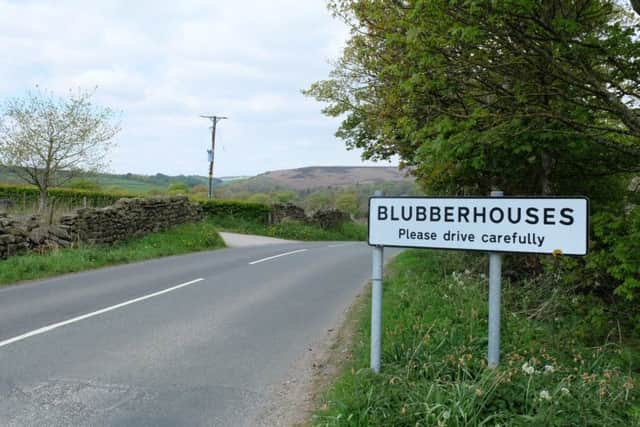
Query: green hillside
x=130, y=183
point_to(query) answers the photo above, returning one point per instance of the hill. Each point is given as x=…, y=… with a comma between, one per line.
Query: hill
x=316, y=177
x=305, y=180
x=132, y=183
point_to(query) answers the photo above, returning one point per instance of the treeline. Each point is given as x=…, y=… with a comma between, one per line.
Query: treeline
x=353, y=199
x=529, y=97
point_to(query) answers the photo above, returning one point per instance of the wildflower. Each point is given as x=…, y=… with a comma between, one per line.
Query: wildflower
x=544, y=394
x=564, y=391
x=549, y=369
x=528, y=369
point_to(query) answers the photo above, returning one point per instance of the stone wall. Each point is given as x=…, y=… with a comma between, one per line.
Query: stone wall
x=126, y=219
x=288, y=211
x=129, y=218
x=329, y=218
x=326, y=218
x=22, y=234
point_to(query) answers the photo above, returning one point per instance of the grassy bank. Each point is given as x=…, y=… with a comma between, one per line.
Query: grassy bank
x=556, y=369
x=293, y=230
x=180, y=240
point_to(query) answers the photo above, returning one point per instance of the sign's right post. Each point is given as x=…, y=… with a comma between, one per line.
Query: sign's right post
x=495, y=292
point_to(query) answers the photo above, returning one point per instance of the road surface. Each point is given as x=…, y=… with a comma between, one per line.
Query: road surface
x=193, y=340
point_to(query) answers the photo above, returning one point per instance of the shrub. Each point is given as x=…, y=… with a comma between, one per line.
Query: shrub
x=236, y=209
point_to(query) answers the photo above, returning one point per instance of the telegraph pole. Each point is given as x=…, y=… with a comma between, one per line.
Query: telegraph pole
x=214, y=122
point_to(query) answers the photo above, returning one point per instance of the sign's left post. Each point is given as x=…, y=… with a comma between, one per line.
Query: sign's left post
x=376, y=303
x=376, y=307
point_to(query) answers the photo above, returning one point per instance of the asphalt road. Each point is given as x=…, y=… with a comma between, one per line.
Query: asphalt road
x=188, y=340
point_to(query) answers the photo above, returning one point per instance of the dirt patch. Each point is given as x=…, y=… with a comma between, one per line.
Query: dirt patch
x=294, y=401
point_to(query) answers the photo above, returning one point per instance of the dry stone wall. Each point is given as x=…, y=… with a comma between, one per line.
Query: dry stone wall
x=125, y=219
x=326, y=218
x=129, y=218
x=22, y=234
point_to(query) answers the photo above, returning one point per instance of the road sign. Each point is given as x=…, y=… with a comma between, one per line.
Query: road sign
x=542, y=225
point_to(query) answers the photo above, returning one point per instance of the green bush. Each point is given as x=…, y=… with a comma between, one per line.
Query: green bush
x=236, y=209
x=615, y=259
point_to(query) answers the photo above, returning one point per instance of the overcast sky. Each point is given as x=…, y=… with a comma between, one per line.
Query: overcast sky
x=164, y=63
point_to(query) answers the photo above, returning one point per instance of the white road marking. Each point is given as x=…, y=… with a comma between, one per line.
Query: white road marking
x=277, y=256
x=341, y=244
x=95, y=313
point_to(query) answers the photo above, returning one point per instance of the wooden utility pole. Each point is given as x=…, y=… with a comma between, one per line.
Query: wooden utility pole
x=214, y=122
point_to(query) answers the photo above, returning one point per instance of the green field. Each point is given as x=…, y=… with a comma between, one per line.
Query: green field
x=129, y=183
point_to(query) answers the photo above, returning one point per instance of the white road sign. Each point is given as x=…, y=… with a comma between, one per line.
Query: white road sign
x=490, y=224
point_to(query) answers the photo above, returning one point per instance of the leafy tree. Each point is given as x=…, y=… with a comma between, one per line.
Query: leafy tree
x=47, y=140
x=317, y=201
x=347, y=201
x=284, y=196
x=199, y=191
x=259, y=198
x=534, y=97
x=178, y=188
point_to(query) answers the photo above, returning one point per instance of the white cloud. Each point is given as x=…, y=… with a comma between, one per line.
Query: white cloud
x=163, y=64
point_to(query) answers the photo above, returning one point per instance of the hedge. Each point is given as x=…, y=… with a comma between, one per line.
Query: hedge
x=237, y=209
x=24, y=194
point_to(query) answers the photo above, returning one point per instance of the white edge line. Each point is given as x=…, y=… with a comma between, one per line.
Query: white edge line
x=277, y=256
x=95, y=313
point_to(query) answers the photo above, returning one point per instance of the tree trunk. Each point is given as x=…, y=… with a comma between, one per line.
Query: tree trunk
x=545, y=174
x=44, y=199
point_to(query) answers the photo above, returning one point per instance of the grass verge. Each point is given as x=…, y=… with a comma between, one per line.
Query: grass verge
x=179, y=240
x=293, y=230
x=554, y=370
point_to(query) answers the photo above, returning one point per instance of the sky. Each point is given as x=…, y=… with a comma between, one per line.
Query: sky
x=163, y=64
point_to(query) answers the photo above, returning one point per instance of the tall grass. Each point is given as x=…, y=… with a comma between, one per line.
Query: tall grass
x=179, y=240
x=434, y=372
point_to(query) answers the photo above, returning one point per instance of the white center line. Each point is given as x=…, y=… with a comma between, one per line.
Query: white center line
x=277, y=256
x=95, y=313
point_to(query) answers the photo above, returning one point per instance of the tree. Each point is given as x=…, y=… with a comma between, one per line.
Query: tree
x=347, y=201
x=534, y=97
x=318, y=200
x=178, y=188
x=48, y=140
x=259, y=198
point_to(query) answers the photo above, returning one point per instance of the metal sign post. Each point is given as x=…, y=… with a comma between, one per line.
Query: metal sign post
x=376, y=307
x=495, y=276
x=496, y=224
x=376, y=302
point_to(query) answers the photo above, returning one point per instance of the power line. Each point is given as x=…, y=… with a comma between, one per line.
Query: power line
x=214, y=122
